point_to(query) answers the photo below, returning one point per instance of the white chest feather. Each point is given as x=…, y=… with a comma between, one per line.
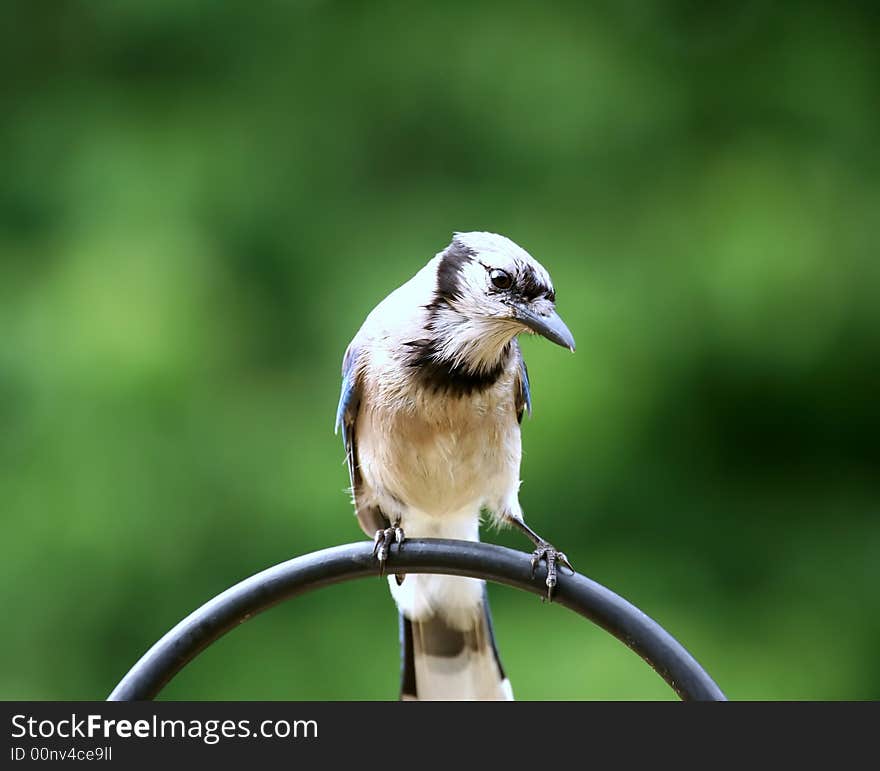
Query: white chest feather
x=431, y=462
x=432, y=458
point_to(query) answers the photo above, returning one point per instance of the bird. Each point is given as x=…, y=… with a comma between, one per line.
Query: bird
x=434, y=389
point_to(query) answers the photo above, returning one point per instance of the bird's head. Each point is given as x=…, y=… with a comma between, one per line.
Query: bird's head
x=485, y=282
x=489, y=290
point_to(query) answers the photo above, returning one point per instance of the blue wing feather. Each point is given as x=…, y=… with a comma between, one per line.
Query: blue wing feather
x=349, y=396
x=524, y=394
x=346, y=412
x=370, y=517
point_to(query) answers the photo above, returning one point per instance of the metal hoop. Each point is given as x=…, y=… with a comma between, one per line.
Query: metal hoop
x=463, y=558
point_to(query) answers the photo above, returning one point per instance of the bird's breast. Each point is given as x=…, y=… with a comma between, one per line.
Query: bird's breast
x=439, y=454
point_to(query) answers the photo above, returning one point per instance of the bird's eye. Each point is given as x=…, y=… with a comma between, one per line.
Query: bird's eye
x=500, y=279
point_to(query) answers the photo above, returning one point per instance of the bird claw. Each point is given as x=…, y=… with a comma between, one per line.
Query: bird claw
x=382, y=544
x=554, y=558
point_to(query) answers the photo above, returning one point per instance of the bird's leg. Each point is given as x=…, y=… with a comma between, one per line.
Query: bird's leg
x=544, y=551
x=382, y=543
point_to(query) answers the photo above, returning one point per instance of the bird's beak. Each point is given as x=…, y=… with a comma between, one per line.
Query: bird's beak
x=548, y=325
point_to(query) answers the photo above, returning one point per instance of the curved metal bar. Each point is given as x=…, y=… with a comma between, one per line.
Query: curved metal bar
x=463, y=558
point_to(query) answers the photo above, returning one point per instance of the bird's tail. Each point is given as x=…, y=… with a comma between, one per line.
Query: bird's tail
x=442, y=662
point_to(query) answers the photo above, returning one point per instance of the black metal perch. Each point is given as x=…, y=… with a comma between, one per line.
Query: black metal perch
x=479, y=560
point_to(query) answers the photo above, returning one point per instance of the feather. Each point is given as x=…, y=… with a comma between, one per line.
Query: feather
x=441, y=662
x=523, y=395
x=346, y=412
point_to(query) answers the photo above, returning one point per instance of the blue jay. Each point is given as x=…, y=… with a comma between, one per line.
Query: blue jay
x=434, y=388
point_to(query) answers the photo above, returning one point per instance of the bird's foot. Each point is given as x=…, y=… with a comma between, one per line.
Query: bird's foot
x=554, y=558
x=382, y=544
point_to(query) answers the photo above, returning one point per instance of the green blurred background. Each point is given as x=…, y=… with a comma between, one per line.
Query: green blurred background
x=200, y=202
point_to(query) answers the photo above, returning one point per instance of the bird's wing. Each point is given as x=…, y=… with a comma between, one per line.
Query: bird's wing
x=522, y=390
x=347, y=411
x=370, y=517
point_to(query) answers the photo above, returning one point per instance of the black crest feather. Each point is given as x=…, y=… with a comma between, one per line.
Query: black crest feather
x=454, y=258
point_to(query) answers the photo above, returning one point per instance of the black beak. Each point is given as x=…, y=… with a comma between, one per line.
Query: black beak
x=550, y=326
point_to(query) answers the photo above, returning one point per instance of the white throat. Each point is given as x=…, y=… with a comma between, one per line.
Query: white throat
x=475, y=344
